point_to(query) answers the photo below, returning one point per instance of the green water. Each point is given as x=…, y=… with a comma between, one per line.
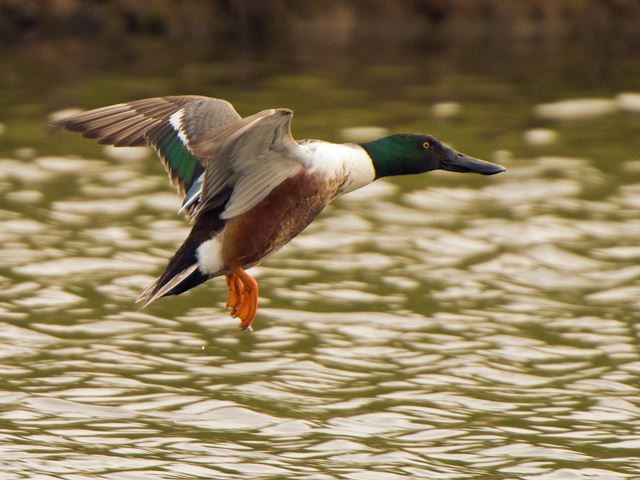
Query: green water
x=441, y=326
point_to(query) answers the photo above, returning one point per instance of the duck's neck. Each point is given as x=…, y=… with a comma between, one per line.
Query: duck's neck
x=348, y=163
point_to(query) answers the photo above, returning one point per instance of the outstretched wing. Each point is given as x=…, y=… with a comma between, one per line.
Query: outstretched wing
x=169, y=124
x=248, y=158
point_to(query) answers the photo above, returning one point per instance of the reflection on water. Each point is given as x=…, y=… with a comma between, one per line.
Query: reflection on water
x=442, y=326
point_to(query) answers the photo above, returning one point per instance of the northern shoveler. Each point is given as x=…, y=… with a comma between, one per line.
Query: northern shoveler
x=249, y=187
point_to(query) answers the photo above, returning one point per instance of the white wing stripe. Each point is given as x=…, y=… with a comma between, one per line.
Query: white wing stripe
x=176, y=122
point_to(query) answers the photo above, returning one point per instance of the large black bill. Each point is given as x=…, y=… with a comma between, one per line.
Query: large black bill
x=457, y=162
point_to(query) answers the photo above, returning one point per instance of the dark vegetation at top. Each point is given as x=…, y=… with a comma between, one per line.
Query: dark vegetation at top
x=254, y=22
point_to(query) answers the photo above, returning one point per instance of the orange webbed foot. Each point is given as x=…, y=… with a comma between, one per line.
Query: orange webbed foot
x=243, y=296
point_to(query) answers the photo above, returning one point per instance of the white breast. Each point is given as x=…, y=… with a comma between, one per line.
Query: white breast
x=347, y=161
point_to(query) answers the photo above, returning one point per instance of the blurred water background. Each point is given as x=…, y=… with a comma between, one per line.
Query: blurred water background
x=441, y=326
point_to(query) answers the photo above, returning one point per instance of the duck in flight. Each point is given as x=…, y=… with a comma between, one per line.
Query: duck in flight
x=248, y=187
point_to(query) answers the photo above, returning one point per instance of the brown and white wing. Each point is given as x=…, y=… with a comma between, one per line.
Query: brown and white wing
x=249, y=157
x=169, y=124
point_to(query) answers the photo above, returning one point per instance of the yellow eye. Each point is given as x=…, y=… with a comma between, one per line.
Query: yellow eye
x=426, y=145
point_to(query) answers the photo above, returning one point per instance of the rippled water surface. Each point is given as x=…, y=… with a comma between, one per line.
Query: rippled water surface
x=442, y=326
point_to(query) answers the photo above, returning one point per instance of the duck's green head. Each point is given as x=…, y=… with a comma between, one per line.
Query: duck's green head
x=405, y=153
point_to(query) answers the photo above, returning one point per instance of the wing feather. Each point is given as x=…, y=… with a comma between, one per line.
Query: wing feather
x=92, y=128
x=149, y=122
x=129, y=134
x=253, y=156
x=210, y=153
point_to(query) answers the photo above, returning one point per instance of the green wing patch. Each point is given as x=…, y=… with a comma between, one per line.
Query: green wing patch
x=183, y=167
x=181, y=162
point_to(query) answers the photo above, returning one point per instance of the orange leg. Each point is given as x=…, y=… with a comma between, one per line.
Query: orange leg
x=236, y=293
x=243, y=296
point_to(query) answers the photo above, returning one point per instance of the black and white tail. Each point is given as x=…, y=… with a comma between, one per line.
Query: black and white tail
x=182, y=272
